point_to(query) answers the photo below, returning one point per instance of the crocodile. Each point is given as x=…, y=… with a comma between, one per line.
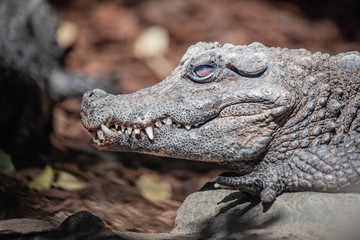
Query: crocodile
x=285, y=119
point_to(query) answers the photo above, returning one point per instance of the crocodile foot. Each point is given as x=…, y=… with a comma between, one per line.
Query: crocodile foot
x=263, y=183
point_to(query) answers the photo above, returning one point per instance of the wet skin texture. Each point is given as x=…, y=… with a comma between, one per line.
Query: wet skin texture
x=288, y=120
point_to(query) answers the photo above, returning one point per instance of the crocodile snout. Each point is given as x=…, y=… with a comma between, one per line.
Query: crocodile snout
x=94, y=95
x=93, y=100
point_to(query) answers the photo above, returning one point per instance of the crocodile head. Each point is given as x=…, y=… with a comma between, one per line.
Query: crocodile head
x=220, y=104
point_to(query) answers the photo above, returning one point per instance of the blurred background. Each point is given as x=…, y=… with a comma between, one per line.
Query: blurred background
x=137, y=44
x=108, y=31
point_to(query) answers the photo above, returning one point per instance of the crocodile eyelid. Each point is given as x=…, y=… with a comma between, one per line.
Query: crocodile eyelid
x=244, y=73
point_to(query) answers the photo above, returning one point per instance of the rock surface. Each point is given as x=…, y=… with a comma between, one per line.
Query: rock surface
x=81, y=225
x=24, y=226
x=222, y=214
x=303, y=215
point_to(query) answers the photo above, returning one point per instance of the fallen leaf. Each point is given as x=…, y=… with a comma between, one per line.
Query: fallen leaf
x=43, y=180
x=66, y=34
x=69, y=182
x=6, y=163
x=152, y=42
x=152, y=188
x=151, y=46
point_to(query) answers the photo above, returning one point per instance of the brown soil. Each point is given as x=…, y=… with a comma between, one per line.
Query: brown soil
x=107, y=31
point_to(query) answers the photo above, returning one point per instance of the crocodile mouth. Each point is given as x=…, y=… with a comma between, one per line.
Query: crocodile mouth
x=108, y=131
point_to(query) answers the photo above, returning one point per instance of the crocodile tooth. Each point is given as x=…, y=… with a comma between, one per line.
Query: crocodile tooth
x=123, y=129
x=116, y=126
x=120, y=132
x=188, y=127
x=106, y=130
x=168, y=121
x=196, y=124
x=129, y=130
x=100, y=135
x=178, y=125
x=137, y=131
x=149, y=132
x=158, y=124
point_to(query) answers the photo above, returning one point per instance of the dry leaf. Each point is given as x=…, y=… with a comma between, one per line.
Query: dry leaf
x=69, y=182
x=6, y=163
x=151, y=46
x=153, y=42
x=66, y=34
x=43, y=180
x=152, y=188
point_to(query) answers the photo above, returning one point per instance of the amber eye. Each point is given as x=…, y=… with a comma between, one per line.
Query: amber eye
x=204, y=71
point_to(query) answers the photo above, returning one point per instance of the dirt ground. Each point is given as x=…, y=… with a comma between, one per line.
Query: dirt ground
x=106, y=35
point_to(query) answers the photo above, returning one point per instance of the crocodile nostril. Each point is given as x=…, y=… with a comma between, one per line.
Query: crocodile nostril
x=95, y=94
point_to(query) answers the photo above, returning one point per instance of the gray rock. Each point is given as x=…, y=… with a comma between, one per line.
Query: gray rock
x=24, y=226
x=157, y=236
x=302, y=215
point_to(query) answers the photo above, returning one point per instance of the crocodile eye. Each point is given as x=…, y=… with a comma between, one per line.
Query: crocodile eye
x=204, y=71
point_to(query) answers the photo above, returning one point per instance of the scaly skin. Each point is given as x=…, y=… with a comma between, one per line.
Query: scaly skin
x=288, y=119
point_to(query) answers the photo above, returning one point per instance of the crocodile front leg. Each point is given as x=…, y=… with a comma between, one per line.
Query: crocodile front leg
x=266, y=181
x=319, y=168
